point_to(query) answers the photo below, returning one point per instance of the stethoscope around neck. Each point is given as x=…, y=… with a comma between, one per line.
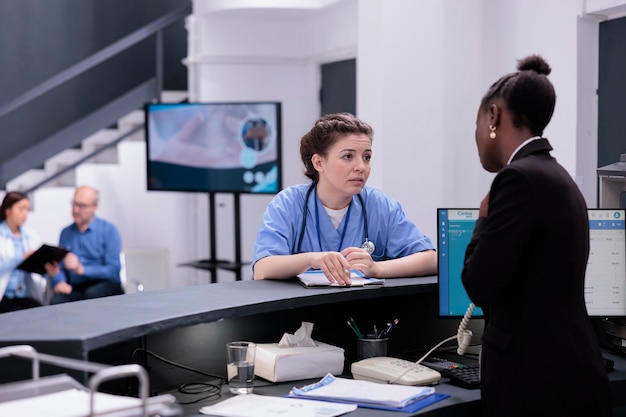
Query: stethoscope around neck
x=367, y=244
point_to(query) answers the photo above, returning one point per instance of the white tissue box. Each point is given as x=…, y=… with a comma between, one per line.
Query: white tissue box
x=278, y=364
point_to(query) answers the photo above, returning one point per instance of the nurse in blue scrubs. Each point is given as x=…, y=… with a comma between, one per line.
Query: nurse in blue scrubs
x=337, y=223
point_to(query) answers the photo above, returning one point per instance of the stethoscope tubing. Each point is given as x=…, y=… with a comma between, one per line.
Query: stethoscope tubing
x=305, y=212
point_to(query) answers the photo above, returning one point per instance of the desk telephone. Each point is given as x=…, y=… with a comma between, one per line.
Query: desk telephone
x=388, y=370
x=384, y=369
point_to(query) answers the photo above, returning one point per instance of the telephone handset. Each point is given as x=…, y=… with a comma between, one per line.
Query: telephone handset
x=463, y=334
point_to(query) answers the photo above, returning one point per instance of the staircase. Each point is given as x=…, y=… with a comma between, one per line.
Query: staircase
x=57, y=140
x=99, y=148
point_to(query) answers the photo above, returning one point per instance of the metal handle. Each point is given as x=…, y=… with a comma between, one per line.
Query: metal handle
x=24, y=351
x=117, y=372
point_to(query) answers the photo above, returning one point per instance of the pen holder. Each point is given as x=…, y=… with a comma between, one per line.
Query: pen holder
x=371, y=347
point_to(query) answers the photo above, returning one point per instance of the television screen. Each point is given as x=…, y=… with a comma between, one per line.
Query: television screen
x=214, y=147
x=605, y=277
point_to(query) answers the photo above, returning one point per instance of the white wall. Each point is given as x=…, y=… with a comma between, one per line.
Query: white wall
x=422, y=68
x=434, y=60
x=414, y=87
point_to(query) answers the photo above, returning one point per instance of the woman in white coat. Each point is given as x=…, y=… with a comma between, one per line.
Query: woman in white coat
x=18, y=289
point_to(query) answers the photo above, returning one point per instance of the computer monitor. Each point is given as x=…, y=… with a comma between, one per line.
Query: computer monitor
x=605, y=279
x=454, y=230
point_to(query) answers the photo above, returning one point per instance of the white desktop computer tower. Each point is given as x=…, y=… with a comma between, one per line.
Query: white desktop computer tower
x=613, y=184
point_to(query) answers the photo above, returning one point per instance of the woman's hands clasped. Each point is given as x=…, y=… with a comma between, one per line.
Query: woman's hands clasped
x=361, y=260
x=336, y=266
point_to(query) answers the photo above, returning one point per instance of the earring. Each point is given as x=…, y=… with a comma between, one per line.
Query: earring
x=492, y=135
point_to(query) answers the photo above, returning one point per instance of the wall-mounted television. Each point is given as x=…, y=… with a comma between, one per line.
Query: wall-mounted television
x=214, y=147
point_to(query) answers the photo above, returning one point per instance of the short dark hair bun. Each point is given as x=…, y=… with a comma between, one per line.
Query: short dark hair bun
x=534, y=63
x=528, y=94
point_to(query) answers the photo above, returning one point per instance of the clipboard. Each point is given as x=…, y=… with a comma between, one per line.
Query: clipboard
x=46, y=253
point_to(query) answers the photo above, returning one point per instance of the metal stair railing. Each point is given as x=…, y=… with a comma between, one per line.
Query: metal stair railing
x=155, y=27
x=101, y=118
x=85, y=158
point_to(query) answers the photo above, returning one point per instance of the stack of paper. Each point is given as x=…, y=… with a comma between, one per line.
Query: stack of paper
x=69, y=403
x=316, y=278
x=252, y=405
x=362, y=392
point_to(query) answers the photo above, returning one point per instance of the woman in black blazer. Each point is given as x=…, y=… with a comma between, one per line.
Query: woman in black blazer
x=525, y=265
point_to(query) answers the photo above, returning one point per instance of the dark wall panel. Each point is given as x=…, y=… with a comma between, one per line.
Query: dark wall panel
x=612, y=92
x=40, y=38
x=338, y=93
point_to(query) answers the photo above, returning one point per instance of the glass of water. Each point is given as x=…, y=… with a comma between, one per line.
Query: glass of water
x=240, y=366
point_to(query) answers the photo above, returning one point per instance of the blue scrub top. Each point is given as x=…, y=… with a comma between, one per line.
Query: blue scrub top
x=391, y=231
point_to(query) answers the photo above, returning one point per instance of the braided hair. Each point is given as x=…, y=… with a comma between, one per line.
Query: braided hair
x=528, y=94
x=325, y=133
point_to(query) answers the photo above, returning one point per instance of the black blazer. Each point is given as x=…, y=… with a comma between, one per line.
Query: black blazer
x=525, y=266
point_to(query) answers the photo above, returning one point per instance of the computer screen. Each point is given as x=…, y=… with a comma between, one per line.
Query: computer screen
x=605, y=279
x=214, y=147
x=454, y=229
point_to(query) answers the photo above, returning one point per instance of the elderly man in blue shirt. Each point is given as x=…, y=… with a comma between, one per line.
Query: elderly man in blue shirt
x=92, y=268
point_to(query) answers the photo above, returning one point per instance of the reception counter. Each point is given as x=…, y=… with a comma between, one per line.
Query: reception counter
x=173, y=331
x=81, y=327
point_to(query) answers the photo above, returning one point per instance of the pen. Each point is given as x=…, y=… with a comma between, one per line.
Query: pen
x=356, y=328
x=390, y=326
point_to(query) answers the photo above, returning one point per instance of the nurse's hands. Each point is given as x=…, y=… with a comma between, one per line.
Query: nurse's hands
x=361, y=260
x=334, y=266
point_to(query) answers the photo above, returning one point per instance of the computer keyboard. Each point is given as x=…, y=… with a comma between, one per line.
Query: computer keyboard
x=466, y=376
